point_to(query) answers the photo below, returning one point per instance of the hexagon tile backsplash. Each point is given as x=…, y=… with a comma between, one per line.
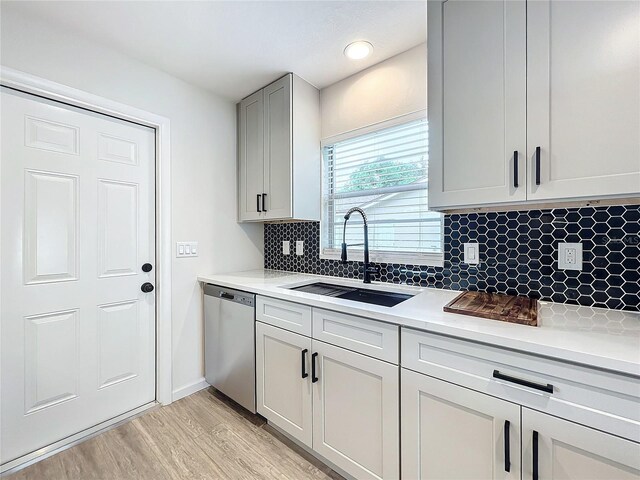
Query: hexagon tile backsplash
x=518, y=255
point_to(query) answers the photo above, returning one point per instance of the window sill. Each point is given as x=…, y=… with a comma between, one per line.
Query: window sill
x=425, y=259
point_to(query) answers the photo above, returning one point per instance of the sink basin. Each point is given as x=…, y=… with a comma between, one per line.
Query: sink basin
x=364, y=295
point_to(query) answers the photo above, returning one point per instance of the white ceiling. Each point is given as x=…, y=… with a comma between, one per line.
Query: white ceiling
x=235, y=47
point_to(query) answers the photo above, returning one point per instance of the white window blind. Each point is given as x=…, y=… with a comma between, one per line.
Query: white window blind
x=384, y=173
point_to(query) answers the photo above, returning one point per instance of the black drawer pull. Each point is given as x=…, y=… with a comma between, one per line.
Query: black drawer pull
x=525, y=383
x=507, y=447
x=304, y=363
x=515, y=169
x=537, y=165
x=258, y=203
x=535, y=456
x=314, y=379
x=264, y=202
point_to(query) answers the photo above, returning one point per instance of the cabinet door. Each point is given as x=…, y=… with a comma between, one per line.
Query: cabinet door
x=451, y=432
x=568, y=451
x=251, y=157
x=355, y=412
x=583, y=98
x=283, y=391
x=277, y=149
x=477, y=102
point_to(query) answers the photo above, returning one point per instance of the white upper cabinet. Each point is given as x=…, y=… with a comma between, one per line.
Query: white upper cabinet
x=279, y=152
x=477, y=102
x=583, y=98
x=555, y=81
x=251, y=154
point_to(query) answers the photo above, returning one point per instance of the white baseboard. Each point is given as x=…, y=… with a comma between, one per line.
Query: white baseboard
x=187, y=390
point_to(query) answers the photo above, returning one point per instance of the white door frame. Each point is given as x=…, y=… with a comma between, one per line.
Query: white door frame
x=78, y=98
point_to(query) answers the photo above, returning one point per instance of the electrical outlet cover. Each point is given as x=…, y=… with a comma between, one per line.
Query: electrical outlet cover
x=471, y=253
x=286, y=247
x=299, y=247
x=570, y=256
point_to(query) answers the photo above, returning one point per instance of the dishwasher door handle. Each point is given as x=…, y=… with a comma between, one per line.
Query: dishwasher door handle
x=226, y=295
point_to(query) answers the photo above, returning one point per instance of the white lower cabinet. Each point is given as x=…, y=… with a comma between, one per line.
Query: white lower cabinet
x=342, y=404
x=355, y=412
x=455, y=410
x=283, y=380
x=452, y=432
x=556, y=449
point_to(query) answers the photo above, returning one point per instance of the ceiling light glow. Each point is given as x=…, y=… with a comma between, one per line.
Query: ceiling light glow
x=358, y=50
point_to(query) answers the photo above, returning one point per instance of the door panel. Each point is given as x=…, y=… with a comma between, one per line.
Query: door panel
x=477, y=102
x=78, y=222
x=51, y=227
x=277, y=149
x=251, y=155
x=117, y=228
x=583, y=98
x=50, y=359
x=568, y=451
x=118, y=357
x=355, y=412
x=283, y=396
x=450, y=432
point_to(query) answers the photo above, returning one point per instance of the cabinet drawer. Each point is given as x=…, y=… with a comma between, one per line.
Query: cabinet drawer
x=376, y=339
x=290, y=316
x=603, y=400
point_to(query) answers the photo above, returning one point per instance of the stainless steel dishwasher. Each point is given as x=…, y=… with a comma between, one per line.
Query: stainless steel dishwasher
x=229, y=343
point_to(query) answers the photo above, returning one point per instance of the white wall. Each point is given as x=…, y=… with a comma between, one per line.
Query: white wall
x=394, y=87
x=203, y=153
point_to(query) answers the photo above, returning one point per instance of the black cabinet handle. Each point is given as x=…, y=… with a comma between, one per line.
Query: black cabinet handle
x=264, y=202
x=258, y=203
x=304, y=363
x=521, y=381
x=314, y=379
x=515, y=169
x=537, y=165
x=535, y=456
x=507, y=447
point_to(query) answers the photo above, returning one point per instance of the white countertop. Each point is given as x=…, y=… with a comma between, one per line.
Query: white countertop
x=598, y=337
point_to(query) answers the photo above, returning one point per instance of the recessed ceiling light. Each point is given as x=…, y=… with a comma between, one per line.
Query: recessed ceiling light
x=358, y=50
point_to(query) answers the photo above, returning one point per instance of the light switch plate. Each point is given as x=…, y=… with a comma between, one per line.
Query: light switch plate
x=186, y=249
x=299, y=247
x=570, y=256
x=471, y=253
x=286, y=247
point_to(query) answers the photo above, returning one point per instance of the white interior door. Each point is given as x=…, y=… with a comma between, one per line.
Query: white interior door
x=77, y=211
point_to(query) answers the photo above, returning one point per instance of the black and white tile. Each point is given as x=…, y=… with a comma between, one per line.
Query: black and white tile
x=518, y=253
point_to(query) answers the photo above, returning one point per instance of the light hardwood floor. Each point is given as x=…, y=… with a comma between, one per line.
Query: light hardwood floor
x=203, y=436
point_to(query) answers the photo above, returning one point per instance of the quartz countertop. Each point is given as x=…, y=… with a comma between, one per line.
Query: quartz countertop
x=596, y=337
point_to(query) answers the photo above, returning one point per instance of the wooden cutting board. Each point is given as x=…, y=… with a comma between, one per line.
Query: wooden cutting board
x=495, y=306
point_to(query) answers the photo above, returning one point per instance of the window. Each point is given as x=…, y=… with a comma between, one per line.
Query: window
x=384, y=172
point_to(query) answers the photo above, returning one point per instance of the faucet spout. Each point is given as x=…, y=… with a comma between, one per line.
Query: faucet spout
x=368, y=269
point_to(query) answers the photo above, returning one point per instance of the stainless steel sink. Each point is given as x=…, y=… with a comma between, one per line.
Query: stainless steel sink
x=364, y=295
